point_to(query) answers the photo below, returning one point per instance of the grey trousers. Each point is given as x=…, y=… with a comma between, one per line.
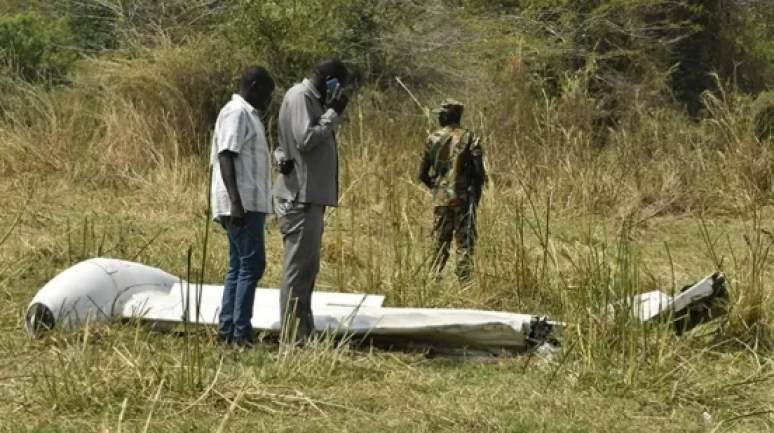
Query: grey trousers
x=301, y=225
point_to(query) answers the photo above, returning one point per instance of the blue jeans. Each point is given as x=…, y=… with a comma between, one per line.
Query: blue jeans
x=246, y=264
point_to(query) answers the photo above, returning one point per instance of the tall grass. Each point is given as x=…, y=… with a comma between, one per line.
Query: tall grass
x=146, y=123
x=560, y=233
x=120, y=117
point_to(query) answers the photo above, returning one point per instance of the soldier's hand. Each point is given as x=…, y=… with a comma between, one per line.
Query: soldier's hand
x=338, y=101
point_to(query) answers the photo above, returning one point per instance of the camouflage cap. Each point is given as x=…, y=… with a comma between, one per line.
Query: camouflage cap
x=450, y=105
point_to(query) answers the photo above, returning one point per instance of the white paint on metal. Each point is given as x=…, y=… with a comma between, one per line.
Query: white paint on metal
x=98, y=288
x=102, y=289
x=651, y=305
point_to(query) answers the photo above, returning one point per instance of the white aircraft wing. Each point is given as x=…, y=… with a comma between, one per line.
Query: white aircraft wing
x=105, y=289
x=350, y=315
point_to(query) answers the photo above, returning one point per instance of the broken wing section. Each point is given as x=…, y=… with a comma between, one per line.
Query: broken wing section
x=696, y=304
x=349, y=315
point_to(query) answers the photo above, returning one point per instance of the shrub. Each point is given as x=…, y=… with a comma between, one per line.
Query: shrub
x=100, y=25
x=121, y=117
x=92, y=24
x=292, y=36
x=35, y=49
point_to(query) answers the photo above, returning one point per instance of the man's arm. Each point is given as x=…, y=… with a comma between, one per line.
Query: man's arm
x=425, y=165
x=309, y=132
x=229, y=146
x=228, y=173
x=424, y=173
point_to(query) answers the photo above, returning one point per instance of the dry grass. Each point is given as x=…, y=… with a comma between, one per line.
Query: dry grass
x=119, y=169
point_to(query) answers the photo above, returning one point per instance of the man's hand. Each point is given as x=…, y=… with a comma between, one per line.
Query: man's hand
x=228, y=173
x=338, y=101
x=424, y=173
x=286, y=166
x=237, y=214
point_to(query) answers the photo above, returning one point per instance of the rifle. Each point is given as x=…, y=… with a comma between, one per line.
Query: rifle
x=424, y=109
x=473, y=197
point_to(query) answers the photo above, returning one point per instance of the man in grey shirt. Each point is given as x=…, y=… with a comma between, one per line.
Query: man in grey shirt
x=309, y=181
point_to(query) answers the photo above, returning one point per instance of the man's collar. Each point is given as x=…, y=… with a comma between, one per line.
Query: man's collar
x=243, y=101
x=308, y=83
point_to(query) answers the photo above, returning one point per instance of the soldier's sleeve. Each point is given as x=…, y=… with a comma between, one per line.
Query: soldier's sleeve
x=427, y=163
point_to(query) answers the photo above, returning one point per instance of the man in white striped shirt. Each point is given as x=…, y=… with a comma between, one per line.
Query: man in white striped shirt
x=241, y=198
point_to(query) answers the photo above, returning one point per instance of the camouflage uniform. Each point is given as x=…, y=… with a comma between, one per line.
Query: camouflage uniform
x=448, y=151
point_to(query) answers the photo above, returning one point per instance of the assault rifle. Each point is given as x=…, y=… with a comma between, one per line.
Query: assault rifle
x=474, y=194
x=425, y=110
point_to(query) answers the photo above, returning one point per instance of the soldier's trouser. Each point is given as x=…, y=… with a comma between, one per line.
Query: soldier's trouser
x=451, y=223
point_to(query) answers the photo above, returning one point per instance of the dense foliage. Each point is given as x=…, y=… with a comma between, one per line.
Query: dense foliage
x=34, y=48
x=671, y=47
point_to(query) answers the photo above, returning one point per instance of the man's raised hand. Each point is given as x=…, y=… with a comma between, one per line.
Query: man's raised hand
x=338, y=100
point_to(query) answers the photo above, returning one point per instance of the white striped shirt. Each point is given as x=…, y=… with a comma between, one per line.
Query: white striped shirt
x=239, y=130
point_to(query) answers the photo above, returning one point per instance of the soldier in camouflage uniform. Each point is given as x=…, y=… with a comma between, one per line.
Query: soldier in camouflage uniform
x=452, y=167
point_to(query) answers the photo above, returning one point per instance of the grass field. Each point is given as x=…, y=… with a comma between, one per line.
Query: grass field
x=116, y=169
x=607, y=378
